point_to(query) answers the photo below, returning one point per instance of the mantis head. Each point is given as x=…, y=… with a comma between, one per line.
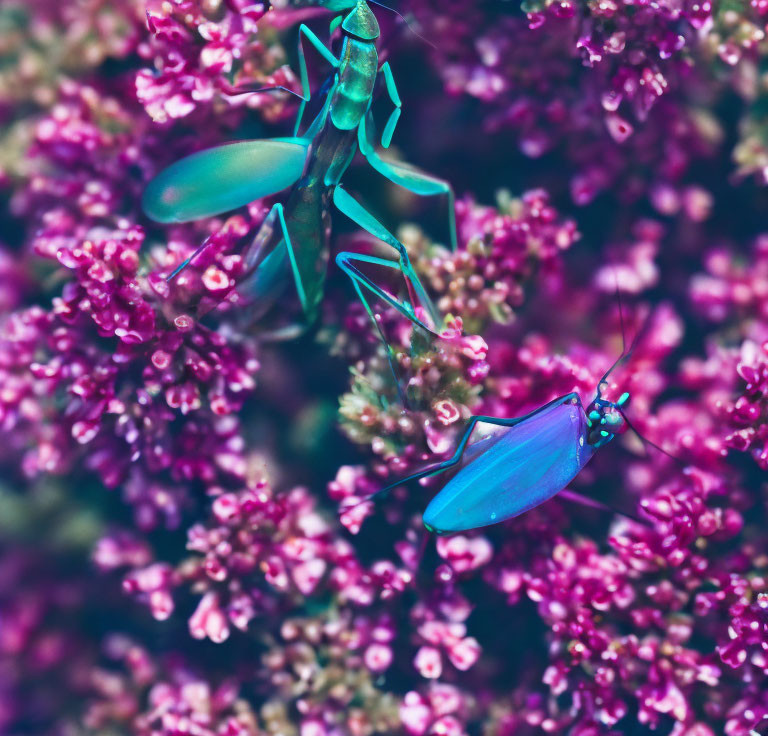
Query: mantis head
x=357, y=19
x=359, y=22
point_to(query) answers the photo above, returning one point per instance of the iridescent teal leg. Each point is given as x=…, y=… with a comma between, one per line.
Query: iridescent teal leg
x=357, y=213
x=389, y=80
x=411, y=179
x=346, y=262
x=325, y=53
x=176, y=271
x=277, y=211
x=436, y=468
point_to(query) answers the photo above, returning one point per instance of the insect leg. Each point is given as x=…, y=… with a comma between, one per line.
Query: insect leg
x=277, y=209
x=263, y=264
x=411, y=179
x=325, y=53
x=389, y=80
x=346, y=262
x=176, y=271
x=357, y=213
x=592, y=503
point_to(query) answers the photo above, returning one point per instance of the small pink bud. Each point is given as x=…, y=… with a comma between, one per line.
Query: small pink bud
x=226, y=508
x=84, y=431
x=446, y=726
x=464, y=654
x=446, y=411
x=474, y=347
x=208, y=620
x=313, y=727
x=377, y=657
x=429, y=663
x=161, y=605
x=161, y=359
x=308, y=574
x=619, y=128
x=184, y=323
x=214, y=279
x=415, y=714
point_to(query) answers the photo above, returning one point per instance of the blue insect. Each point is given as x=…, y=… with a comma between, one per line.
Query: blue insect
x=532, y=459
x=292, y=246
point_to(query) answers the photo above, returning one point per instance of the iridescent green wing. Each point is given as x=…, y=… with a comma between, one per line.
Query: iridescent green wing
x=223, y=178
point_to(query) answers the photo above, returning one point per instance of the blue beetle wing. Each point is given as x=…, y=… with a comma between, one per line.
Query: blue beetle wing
x=223, y=178
x=522, y=467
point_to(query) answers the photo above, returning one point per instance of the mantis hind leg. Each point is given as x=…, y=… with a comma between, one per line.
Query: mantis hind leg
x=349, y=206
x=264, y=269
x=362, y=283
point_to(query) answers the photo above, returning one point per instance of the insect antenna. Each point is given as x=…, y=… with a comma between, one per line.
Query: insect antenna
x=625, y=353
x=621, y=313
x=405, y=20
x=644, y=439
x=599, y=505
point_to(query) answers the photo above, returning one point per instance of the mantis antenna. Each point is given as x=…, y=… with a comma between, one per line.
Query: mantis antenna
x=625, y=354
x=405, y=20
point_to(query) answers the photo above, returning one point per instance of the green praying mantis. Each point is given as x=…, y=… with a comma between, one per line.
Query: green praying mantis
x=293, y=242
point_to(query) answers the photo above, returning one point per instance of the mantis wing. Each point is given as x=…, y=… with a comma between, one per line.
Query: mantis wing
x=514, y=471
x=223, y=178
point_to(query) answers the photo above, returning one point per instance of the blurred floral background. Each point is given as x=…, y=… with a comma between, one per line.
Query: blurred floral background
x=184, y=551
